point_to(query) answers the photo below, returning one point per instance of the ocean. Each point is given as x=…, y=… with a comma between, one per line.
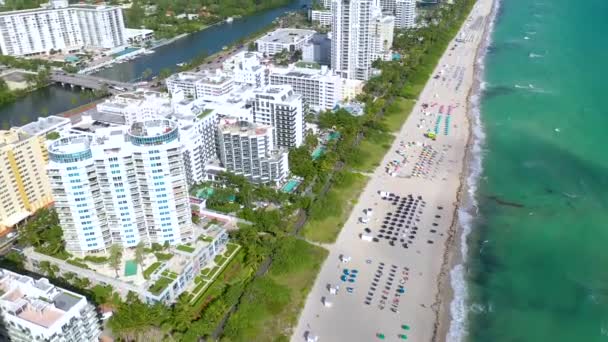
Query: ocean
x=535, y=222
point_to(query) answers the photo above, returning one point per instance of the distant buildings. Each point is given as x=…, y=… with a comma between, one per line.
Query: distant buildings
x=61, y=27
x=201, y=84
x=247, y=69
x=405, y=14
x=317, y=50
x=283, y=39
x=249, y=149
x=323, y=17
x=25, y=187
x=128, y=108
x=36, y=310
x=281, y=108
x=121, y=186
x=320, y=89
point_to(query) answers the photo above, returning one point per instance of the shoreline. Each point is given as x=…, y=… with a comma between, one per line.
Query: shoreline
x=434, y=173
x=454, y=254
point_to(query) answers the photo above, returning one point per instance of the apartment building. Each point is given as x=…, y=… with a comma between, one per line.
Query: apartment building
x=121, y=185
x=319, y=87
x=283, y=39
x=58, y=26
x=317, y=49
x=36, y=310
x=248, y=149
x=280, y=107
x=25, y=186
x=382, y=34
x=204, y=84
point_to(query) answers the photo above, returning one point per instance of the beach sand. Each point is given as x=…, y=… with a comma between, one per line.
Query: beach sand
x=426, y=175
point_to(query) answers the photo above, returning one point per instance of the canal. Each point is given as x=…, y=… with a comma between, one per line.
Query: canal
x=55, y=99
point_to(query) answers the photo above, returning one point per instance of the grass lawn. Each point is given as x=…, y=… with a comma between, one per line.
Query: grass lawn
x=185, y=248
x=372, y=149
x=148, y=271
x=395, y=115
x=327, y=229
x=271, y=305
x=160, y=285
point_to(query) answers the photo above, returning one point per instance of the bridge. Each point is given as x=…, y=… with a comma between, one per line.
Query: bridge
x=91, y=82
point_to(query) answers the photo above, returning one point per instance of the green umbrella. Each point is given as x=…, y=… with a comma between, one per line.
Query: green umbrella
x=405, y=327
x=380, y=336
x=403, y=337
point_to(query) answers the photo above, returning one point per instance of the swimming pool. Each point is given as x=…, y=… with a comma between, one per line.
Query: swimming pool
x=130, y=268
x=290, y=186
x=318, y=152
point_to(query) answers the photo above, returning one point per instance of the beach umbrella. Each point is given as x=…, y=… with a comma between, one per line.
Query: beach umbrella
x=405, y=327
x=403, y=337
x=380, y=336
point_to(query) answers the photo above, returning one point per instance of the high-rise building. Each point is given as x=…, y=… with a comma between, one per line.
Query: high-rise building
x=352, y=43
x=36, y=310
x=405, y=14
x=280, y=107
x=25, y=186
x=323, y=17
x=383, y=31
x=121, y=186
x=59, y=27
x=248, y=149
x=388, y=6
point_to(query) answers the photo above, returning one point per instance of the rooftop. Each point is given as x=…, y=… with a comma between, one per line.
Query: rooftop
x=43, y=125
x=287, y=35
x=232, y=126
x=35, y=301
x=71, y=144
x=151, y=128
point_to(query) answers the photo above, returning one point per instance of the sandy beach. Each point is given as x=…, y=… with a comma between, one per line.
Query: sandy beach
x=388, y=271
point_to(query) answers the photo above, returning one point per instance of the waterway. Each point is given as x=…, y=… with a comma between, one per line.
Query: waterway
x=55, y=99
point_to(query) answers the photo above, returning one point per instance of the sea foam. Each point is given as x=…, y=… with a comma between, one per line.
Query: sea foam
x=468, y=210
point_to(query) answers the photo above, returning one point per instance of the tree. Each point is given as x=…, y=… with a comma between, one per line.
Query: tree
x=115, y=257
x=140, y=254
x=164, y=73
x=251, y=47
x=146, y=74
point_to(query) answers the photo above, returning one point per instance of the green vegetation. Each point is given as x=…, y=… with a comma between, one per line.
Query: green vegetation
x=185, y=248
x=271, y=304
x=205, y=238
x=14, y=5
x=52, y=135
x=163, y=256
x=164, y=19
x=148, y=271
x=169, y=274
x=205, y=113
x=43, y=233
x=371, y=150
x=160, y=285
x=328, y=213
x=78, y=263
x=115, y=258
x=219, y=260
x=96, y=259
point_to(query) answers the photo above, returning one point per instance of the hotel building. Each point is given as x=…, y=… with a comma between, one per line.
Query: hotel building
x=248, y=149
x=36, y=310
x=320, y=89
x=280, y=107
x=283, y=39
x=405, y=14
x=61, y=27
x=201, y=84
x=121, y=186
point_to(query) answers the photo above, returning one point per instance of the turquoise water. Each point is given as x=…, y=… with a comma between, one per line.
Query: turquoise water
x=130, y=268
x=538, y=249
x=290, y=186
x=318, y=152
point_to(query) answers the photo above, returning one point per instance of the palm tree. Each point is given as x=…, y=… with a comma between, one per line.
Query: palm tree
x=115, y=258
x=140, y=253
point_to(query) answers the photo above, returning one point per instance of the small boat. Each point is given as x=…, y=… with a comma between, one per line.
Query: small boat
x=224, y=47
x=181, y=64
x=149, y=52
x=229, y=19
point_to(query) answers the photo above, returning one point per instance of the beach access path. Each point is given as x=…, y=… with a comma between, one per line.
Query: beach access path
x=394, y=280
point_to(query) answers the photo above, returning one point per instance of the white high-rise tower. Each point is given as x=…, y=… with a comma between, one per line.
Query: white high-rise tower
x=352, y=43
x=405, y=13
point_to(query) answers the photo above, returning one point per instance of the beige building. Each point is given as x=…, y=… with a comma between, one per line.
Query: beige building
x=25, y=186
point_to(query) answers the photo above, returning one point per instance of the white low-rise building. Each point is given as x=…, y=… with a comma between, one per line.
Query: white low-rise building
x=61, y=27
x=127, y=108
x=138, y=36
x=248, y=149
x=36, y=310
x=247, y=68
x=283, y=39
x=323, y=17
x=206, y=84
x=320, y=88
